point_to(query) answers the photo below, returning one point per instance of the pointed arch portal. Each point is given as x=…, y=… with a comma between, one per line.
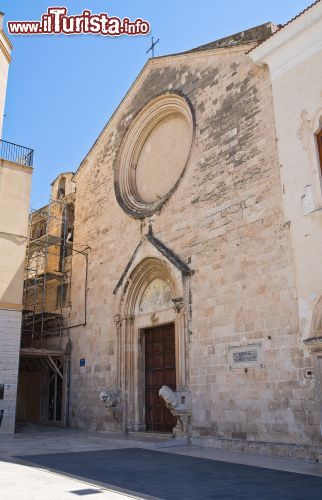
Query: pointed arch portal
x=151, y=319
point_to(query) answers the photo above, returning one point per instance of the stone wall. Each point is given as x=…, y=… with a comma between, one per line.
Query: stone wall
x=226, y=220
x=10, y=328
x=294, y=57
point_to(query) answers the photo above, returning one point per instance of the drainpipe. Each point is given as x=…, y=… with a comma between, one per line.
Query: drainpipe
x=85, y=294
x=69, y=344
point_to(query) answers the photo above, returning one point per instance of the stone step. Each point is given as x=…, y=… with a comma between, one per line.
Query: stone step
x=147, y=440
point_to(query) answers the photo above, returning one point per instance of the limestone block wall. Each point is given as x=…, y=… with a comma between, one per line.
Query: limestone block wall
x=10, y=328
x=225, y=219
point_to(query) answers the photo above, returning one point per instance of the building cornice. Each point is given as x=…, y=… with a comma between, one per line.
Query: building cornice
x=62, y=174
x=281, y=53
x=15, y=166
x=10, y=306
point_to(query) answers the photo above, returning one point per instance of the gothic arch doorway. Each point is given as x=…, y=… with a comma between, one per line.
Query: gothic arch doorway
x=151, y=335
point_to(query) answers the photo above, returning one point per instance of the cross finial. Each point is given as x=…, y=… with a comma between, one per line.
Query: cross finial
x=153, y=44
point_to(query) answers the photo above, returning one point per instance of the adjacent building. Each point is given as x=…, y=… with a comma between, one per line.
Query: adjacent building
x=294, y=58
x=15, y=182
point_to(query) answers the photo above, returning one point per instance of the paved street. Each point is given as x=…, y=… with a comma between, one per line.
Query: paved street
x=63, y=464
x=176, y=477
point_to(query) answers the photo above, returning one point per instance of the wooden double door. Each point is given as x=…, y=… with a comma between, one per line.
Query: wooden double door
x=160, y=369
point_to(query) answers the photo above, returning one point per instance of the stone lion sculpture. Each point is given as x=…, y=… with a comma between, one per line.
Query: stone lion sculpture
x=169, y=396
x=109, y=398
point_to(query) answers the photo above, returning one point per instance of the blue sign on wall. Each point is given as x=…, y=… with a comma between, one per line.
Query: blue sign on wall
x=82, y=362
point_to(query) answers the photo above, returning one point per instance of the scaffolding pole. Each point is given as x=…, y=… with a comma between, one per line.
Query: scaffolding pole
x=47, y=243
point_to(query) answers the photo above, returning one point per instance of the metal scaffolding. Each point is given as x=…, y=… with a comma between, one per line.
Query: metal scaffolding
x=46, y=277
x=44, y=375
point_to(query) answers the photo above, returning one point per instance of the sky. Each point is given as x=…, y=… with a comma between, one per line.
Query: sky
x=62, y=90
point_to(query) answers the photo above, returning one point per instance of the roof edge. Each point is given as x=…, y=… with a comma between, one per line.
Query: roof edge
x=59, y=175
x=147, y=65
x=172, y=257
x=260, y=47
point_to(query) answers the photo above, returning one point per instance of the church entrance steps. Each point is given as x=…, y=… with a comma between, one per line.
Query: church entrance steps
x=137, y=439
x=81, y=441
x=149, y=440
x=281, y=450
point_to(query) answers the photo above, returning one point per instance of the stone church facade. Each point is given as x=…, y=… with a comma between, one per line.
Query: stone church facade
x=216, y=242
x=191, y=279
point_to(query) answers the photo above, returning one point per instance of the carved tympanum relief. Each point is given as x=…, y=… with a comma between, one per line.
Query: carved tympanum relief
x=156, y=297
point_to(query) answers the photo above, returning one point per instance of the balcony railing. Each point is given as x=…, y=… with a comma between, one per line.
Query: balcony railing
x=16, y=154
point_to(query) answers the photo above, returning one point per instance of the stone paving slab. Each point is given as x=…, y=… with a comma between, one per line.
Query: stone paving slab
x=171, y=476
x=53, y=440
x=21, y=482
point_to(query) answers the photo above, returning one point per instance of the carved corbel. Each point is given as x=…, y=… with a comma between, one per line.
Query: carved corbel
x=130, y=320
x=179, y=403
x=117, y=321
x=112, y=400
x=178, y=304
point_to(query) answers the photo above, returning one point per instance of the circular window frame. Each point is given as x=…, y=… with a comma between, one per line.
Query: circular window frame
x=125, y=174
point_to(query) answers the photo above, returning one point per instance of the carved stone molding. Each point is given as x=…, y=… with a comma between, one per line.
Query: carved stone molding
x=130, y=320
x=179, y=403
x=128, y=182
x=112, y=400
x=314, y=343
x=141, y=336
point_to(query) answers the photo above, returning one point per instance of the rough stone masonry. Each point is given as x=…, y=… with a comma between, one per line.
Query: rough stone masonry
x=224, y=220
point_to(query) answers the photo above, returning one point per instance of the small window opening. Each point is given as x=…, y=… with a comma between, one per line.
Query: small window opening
x=70, y=218
x=61, y=188
x=38, y=230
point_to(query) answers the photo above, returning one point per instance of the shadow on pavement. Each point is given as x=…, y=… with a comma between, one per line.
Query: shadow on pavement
x=170, y=476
